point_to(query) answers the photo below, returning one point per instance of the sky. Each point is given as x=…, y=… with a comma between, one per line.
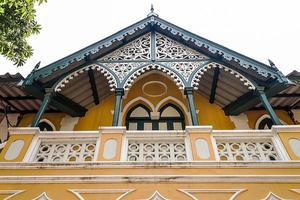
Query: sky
x=260, y=29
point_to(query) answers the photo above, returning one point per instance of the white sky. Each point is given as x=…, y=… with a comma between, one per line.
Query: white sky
x=260, y=29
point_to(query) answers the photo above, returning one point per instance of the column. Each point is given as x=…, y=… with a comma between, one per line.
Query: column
x=188, y=91
x=118, y=101
x=39, y=114
x=267, y=105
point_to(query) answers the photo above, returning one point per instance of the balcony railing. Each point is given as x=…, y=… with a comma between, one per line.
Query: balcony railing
x=155, y=146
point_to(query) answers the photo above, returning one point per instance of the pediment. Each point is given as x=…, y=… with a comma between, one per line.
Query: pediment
x=153, y=46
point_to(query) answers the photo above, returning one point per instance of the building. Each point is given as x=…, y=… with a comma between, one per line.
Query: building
x=151, y=112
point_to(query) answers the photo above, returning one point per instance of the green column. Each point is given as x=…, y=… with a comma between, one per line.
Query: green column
x=188, y=91
x=39, y=114
x=267, y=105
x=118, y=101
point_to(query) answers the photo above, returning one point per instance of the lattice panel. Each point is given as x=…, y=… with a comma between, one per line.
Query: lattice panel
x=167, y=48
x=156, y=151
x=65, y=152
x=249, y=150
x=138, y=49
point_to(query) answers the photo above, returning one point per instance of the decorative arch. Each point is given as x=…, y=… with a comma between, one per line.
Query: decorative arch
x=128, y=82
x=264, y=117
x=49, y=123
x=113, y=83
x=176, y=101
x=196, y=77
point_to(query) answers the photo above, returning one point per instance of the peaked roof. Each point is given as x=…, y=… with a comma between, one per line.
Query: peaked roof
x=151, y=22
x=92, y=58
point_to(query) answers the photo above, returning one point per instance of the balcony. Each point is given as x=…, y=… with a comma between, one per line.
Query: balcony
x=201, y=143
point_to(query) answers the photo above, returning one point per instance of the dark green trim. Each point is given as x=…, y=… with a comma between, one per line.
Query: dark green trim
x=118, y=101
x=153, y=46
x=188, y=91
x=43, y=107
x=267, y=105
x=93, y=86
x=214, y=85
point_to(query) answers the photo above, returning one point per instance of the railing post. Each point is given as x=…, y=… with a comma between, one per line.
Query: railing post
x=118, y=101
x=188, y=91
x=39, y=114
x=267, y=105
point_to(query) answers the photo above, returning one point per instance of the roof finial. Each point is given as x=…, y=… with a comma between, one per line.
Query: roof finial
x=152, y=13
x=152, y=9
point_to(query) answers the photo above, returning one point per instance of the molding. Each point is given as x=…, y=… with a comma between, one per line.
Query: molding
x=285, y=129
x=152, y=179
x=78, y=192
x=233, y=197
x=42, y=196
x=156, y=196
x=155, y=95
x=272, y=196
x=295, y=190
x=112, y=129
x=12, y=192
x=24, y=130
x=198, y=129
x=162, y=165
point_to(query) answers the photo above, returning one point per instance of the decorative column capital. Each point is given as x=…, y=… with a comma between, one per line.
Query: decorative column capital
x=188, y=90
x=260, y=89
x=119, y=91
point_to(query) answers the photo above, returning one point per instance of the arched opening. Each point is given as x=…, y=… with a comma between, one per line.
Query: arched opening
x=170, y=118
x=46, y=125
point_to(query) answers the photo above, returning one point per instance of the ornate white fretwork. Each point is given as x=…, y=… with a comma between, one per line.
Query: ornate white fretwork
x=247, y=150
x=123, y=69
x=138, y=49
x=139, y=150
x=197, y=77
x=184, y=68
x=167, y=48
x=129, y=81
x=61, y=151
x=111, y=79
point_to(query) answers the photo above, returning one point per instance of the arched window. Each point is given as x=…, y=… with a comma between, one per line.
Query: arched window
x=265, y=122
x=46, y=125
x=170, y=118
x=138, y=118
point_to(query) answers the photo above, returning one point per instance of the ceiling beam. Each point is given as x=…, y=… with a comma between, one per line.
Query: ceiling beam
x=93, y=86
x=10, y=104
x=65, y=104
x=19, y=98
x=214, y=85
x=250, y=99
x=288, y=95
x=58, y=101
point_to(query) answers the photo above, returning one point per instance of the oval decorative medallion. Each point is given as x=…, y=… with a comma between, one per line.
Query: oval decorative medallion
x=154, y=89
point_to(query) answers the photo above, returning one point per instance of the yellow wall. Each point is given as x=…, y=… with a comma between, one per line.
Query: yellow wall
x=55, y=118
x=253, y=116
x=100, y=115
x=136, y=91
x=211, y=114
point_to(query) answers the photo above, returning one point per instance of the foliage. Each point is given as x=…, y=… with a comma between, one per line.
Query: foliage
x=17, y=23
